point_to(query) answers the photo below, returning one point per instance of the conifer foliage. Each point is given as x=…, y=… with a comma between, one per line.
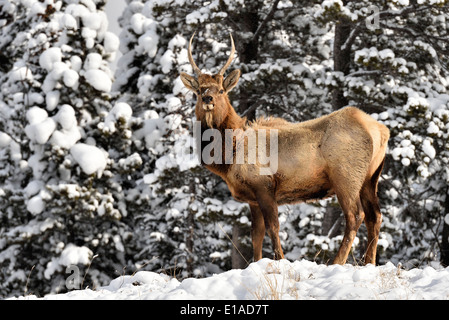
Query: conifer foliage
x=97, y=171
x=61, y=202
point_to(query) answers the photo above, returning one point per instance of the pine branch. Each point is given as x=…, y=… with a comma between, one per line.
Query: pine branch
x=382, y=15
x=364, y=73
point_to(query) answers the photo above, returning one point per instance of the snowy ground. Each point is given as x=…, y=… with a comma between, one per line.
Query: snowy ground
x=268, y=279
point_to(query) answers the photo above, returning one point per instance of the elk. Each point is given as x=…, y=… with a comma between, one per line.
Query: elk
x=340, y=154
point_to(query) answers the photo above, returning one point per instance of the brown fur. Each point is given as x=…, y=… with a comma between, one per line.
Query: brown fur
x=341, y=153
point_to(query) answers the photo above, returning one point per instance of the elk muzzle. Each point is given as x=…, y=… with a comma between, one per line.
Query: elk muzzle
x=207, y=103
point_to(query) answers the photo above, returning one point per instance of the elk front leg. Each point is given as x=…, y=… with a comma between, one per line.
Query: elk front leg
x=269, y=209
x=257, y=231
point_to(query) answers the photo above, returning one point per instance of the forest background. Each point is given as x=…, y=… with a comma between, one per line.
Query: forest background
x=95, y=166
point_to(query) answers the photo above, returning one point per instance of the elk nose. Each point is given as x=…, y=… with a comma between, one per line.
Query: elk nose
x=207, y=99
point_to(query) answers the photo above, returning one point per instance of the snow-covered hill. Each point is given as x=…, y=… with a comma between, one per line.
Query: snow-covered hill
x=268, y=279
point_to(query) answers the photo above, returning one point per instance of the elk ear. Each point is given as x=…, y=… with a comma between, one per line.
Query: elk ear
x=231, y=80
x=190, y=82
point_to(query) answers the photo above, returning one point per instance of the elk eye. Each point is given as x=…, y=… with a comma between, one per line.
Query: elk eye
x=221, y=91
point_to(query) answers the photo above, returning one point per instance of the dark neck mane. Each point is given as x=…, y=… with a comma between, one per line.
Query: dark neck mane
x=232, y=121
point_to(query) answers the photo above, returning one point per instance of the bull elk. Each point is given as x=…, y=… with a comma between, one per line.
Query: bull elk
x=340, y=154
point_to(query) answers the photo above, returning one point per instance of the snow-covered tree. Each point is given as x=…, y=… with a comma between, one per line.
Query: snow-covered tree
x=64, y=146
x=101, y=174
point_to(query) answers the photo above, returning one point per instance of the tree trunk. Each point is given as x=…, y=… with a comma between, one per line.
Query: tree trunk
x=240, y=254
x=248, y=22
x=342, y=59
x=445, y=235
x=332, y=222
x=190, y=236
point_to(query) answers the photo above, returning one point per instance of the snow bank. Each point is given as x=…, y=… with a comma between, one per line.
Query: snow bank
x=268, y=279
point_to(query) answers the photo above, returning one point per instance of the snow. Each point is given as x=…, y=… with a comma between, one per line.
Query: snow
x=52, y=100
x=36, y=115
x=167, y=61
x=331, y=3
x=76, y=63
x=41, y=127
x=267, y=280
x=69, y=22
x=433, y=128
x=70, y=78
x=196, y=17
x=69, y=133
x=366, y=54
x=74, y=255
x=90, y=158
x=148, y=43
x=122, y=111
x=92, y=20
x=36, y=205
x=21, y=74
x=428, y=149
x=4, y=140
x=48, y=58
x=145, y=28
x=71, y=255
x=137, y=21
x=33, y=227
x=99, y=80
x=34, y=187
x=66, y=117
x=93, y=61
x=111, y=42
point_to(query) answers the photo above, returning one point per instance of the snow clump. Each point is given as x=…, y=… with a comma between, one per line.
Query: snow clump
x=90, y=158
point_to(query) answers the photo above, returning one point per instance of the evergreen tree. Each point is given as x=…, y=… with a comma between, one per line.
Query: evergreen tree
x=61, y=200
x=100, y=181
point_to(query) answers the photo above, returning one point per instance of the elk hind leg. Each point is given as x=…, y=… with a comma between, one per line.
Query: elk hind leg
x=347, y=175
x=373, y=216
x=354, y=216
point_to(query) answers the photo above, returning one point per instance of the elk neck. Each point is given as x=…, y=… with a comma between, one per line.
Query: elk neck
x=231, y=121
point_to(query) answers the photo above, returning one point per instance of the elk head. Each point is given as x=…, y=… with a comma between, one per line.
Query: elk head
x=212, y=104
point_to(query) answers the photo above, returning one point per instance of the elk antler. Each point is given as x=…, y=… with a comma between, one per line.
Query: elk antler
x=231, y=57
x=192, y=62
